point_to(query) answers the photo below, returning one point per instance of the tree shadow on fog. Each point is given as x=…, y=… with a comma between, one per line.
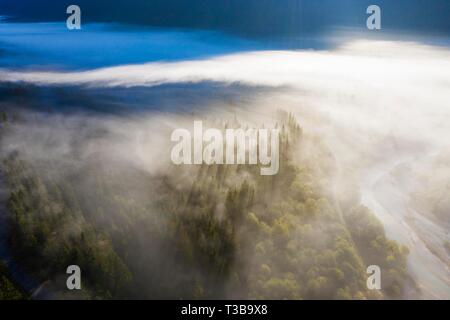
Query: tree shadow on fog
x=168, y=98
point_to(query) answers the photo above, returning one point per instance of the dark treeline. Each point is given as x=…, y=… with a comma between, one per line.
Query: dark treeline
x=247, y=17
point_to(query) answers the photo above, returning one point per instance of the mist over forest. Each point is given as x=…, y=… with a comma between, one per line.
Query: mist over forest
x=86, y=176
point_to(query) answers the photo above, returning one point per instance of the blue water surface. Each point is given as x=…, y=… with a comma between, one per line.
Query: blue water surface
x=53, y=46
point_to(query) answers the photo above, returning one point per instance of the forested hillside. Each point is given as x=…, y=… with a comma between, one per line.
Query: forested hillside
x=220, y=231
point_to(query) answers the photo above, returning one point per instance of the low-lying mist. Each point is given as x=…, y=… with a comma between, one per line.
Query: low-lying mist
x=381, y=110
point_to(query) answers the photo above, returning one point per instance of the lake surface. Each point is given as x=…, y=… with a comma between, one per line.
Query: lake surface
x=53, y=46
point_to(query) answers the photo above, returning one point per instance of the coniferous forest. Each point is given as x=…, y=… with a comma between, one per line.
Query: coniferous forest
x=224, y=150
x=198, y=232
